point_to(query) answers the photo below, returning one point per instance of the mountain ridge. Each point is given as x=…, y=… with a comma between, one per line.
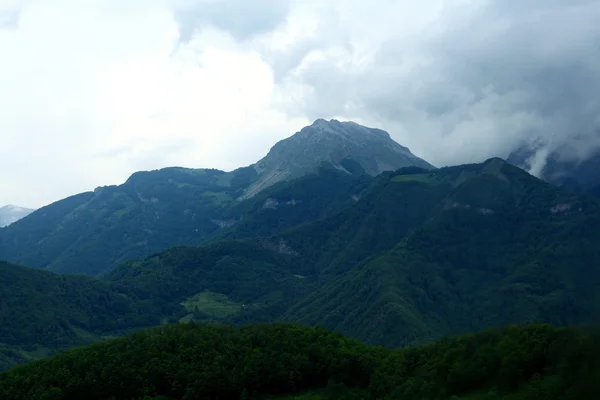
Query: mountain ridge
x=155, y=210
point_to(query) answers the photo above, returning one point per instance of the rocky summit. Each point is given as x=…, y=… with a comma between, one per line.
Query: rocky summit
x=332, y=142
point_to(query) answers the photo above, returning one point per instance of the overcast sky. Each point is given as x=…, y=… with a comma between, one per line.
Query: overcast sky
x=93, y=90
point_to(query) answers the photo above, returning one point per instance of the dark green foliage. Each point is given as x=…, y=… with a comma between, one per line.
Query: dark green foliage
x=217, y=362
x=11, y=356
x=43, y=309
x=500, y=247
x=42, y=312
x=196, y=362
x=253, y=273
x=379, y=218
x=531, y=362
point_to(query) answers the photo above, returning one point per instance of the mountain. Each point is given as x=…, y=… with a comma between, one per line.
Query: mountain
x=499, y=247
x=578, y=175
x=152, y=211
x=10, y=214
x=288, y=361
x=332, y=142
x=402, y=258
x=91, y=232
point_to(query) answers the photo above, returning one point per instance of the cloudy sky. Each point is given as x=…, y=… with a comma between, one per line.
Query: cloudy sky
x=93, y=90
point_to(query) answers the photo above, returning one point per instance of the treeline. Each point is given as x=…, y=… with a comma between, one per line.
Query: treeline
x=191, y=361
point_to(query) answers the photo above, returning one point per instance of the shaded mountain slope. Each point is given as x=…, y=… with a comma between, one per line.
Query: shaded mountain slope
x=228, y=281
x=91, y=232
x=289, y=204
x=502, y=247
x=42, y=312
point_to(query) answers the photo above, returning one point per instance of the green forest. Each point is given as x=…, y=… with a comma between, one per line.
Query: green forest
x=204, y=361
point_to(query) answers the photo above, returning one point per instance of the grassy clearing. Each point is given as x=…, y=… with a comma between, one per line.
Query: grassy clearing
x=215, y=305
x=218, y=197
x=225, y=179
x=412, y=178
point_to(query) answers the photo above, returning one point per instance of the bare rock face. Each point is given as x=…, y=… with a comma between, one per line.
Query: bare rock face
x=331, y=142
x=10, y=214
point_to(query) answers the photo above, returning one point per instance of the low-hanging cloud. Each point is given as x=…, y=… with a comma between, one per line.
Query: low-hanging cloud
x=465, y=80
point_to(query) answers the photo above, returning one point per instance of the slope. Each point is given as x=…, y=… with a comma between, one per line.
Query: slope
x=42, y=312
x=501, y=247
x=288, y=204
x=228, y=281
x=92, y=232
x=225, y=281
x=380, y=216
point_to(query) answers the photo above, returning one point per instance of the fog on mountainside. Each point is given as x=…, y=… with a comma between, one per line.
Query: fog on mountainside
x=10, y=214
x=574, y=168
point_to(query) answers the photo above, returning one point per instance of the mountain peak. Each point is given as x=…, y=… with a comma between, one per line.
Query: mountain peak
x=335, y=127
x=332, y=142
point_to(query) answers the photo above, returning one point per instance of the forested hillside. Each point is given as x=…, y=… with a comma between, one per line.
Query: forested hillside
x=227, y=281
x=502, y=247
x=92, y=232
x=270, y=361
x=42, y=312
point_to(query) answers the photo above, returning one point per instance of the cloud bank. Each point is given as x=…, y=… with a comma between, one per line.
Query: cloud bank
x=91, y=93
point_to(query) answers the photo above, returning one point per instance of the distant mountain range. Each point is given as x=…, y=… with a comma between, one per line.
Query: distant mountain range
x=10, y=214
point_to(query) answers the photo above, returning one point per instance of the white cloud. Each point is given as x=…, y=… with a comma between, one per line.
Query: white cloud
x=89, y=95
x=91, y=91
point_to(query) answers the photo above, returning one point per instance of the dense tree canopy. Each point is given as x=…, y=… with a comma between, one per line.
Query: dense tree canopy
x=192, y=361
